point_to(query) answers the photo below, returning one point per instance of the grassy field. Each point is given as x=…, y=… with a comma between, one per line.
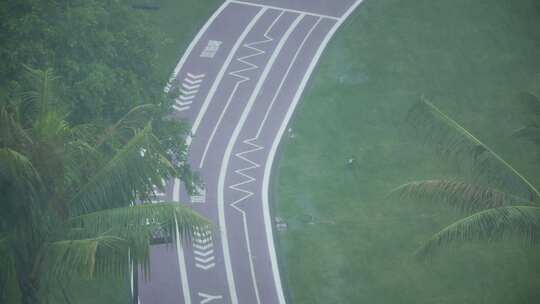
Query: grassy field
x=471, y=59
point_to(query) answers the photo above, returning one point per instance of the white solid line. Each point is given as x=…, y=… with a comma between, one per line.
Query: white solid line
x=221, y=73
x=239, y=82
x=180, y=249
x=289, y=68
x=228, y=153
x=275, y=144
x=284, y=9
x=192, y=45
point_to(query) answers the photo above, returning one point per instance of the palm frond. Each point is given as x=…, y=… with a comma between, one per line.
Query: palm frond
x=139, y=223
x=125, y=175
x=488, y=225
x=12, y=133
x=134, y=119
x=155, y=215
x=85, y=258
x=9, y=285
x=19, y=172
x=41, y=82
x=453, y=140
x=463, y=196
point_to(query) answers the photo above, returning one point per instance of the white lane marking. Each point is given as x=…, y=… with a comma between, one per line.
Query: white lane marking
x=275, y=144
x=196, y=76
x=285, y=9
x=180, y=109
x=254, y=147
x=192, y=45
x=204, y=260
x=221, y=73
x=186, y=98
x=227, y=156
x=183, y=103
x=204, y=253
x=190, y=87
x=188, y=92
x=208, y=298
x=237, y=73
x=293, y=61
x=205, y=267
x=203, y=244
x=190, y=81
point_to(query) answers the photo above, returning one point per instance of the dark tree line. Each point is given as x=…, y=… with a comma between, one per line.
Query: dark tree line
x=102, y=50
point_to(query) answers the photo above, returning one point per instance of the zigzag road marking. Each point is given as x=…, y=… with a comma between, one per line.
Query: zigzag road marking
x=248, y=66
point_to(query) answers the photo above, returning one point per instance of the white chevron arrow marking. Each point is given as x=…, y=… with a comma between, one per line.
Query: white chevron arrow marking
x=203, y=241
x=184, y=92
x=204, y=260
x=205, y=267
x=193, y=76
x=182, y=103
x=203, y=253
x=180, y=109
x=186, y=98
x=188, y=80
x=190, y=87
x=203, y=247
x=206, y=298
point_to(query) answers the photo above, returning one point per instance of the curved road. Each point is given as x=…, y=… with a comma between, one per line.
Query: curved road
x=240, y=81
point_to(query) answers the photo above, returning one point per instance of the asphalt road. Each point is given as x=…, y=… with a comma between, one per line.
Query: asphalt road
x=240, y=79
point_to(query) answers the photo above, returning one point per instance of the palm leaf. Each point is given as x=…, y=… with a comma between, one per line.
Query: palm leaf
x=157, y=215
x=125, y=175
x=9, y=285
x=18, y=171
x=488, y=225
x=40, y=94
x=137, y=224
x=453, y=140
x=84, y=258
x=134, y=119
x=463, y=196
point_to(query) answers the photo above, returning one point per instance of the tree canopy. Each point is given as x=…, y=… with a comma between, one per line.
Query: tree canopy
x=103, y=50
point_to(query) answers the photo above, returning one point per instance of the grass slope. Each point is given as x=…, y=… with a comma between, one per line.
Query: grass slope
x=470, y=58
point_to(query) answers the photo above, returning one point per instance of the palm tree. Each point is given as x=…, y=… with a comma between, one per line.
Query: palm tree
x=497, y=199
x=66, y=195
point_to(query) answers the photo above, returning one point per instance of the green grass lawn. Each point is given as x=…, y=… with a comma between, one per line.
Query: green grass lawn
x=471, y=59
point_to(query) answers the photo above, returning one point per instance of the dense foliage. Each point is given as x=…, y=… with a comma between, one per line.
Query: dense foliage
x=68, y=190
x=80, y=145
x=103, y=51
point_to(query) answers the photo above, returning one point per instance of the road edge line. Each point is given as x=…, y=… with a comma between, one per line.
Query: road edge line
x=194, y=42
x=277, y=140
x=230, y=146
